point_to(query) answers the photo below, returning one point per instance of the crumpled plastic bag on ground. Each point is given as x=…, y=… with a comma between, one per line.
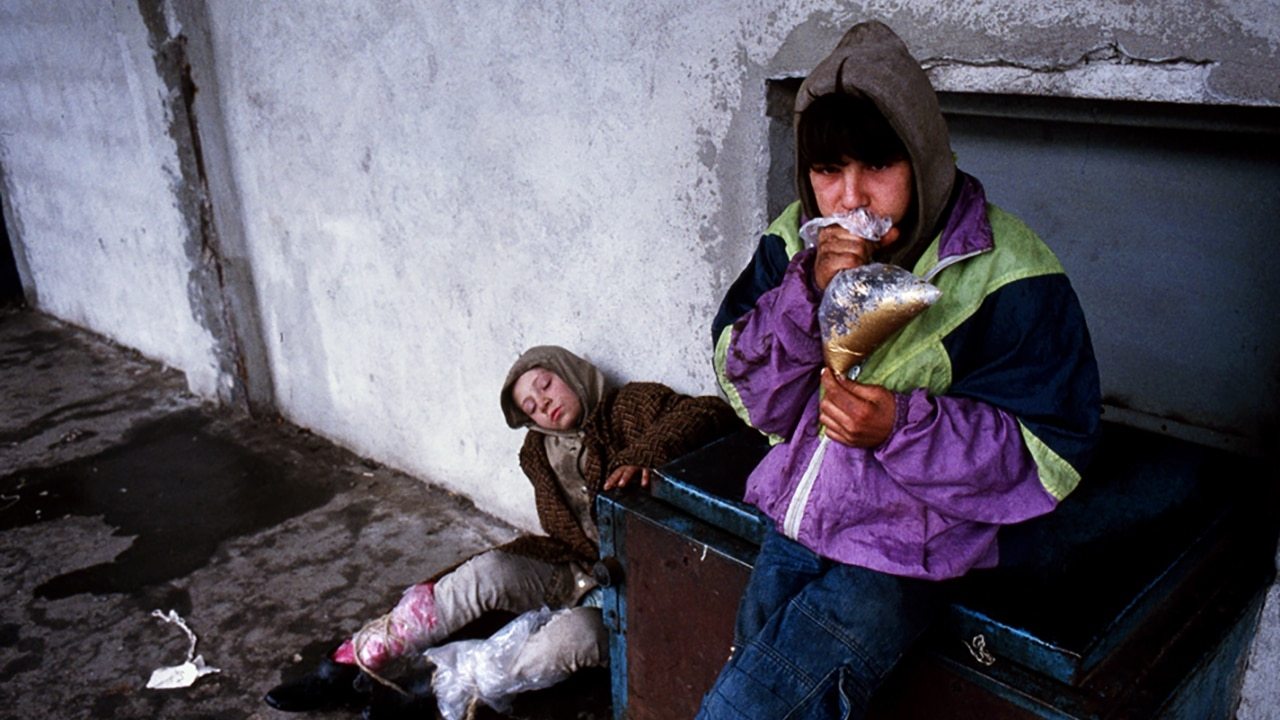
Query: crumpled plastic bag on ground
x=179, y=676
x=471, y=670
x=863, y=306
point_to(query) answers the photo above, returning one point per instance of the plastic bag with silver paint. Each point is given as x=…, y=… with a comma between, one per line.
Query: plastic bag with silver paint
x=863, y=306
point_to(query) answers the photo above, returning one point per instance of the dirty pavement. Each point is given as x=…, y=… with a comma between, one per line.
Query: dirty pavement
x=122, y=494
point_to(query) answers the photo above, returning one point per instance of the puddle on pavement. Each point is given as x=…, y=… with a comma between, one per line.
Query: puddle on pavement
x=178, y=489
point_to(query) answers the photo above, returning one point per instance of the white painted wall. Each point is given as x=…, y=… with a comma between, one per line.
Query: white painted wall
x=89, y=168
x=422, y=189
x=425, y=196
x=427, y=188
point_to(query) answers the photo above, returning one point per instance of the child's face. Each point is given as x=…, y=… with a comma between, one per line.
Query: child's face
x=884, y=190
x=547, y=400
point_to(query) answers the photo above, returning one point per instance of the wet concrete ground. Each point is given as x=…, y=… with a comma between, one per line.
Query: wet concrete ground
x=121, y=494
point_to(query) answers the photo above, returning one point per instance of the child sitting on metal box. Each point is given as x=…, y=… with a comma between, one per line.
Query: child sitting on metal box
x=979, y=413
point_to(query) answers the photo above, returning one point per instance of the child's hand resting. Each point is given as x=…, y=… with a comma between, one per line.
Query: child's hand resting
x=622, y=476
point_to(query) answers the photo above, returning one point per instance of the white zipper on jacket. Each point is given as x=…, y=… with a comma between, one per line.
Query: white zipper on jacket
x=944, y=264
x=795, y=511
x=800, y=499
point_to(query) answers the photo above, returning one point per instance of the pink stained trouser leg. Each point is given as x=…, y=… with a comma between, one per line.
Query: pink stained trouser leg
x=393, y=634
x=492, y=580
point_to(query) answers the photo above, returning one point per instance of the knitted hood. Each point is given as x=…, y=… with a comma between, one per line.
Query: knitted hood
x=586, y=381
x=871, y=61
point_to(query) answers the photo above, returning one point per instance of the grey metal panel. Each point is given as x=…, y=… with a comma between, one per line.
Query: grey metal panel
x=1168, y=236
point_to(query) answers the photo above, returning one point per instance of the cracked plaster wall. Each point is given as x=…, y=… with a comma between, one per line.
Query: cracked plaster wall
x=92, y=180
x=423, y=197
x=414, y=192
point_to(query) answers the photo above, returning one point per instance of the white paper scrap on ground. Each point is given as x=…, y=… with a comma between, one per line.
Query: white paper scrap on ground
x=179, y=676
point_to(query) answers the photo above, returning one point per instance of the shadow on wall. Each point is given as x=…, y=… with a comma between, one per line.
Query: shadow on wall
x=10, y=283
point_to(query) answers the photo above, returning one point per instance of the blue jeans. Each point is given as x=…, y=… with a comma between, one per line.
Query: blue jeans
x=815, y=638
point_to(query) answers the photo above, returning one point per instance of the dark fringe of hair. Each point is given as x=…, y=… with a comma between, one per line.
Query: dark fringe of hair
x=841, y=126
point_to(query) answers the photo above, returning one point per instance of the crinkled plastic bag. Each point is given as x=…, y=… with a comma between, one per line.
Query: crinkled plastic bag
x=860, y=221
x=470, y=670
x=863, y=306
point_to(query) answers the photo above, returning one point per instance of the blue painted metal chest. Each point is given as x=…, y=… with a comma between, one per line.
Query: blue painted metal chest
x=1135, y=599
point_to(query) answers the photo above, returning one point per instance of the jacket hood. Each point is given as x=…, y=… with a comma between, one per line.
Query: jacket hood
x=872, y=61
x=586, y=381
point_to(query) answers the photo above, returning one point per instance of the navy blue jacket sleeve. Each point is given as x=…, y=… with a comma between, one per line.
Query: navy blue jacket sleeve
x=1027, y=350
x=761, y=275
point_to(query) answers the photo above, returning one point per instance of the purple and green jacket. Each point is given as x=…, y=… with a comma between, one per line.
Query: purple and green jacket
x=996, y=387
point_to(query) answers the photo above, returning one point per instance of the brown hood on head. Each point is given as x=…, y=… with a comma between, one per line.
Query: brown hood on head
x=871, y=61
x=587, y=382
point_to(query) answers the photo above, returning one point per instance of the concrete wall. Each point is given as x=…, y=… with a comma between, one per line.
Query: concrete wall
x=359, y=212
x=91, y=175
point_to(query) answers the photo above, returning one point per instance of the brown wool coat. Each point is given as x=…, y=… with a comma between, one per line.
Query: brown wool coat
x=641, y=423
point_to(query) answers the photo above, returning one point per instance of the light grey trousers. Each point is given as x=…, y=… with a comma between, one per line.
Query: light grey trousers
x=496, y=580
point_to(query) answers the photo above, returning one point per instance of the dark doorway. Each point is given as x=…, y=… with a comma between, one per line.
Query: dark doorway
x=10, y=282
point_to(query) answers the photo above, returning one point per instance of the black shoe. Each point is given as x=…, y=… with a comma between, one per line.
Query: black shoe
x=387, y=704
x=329, y=686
